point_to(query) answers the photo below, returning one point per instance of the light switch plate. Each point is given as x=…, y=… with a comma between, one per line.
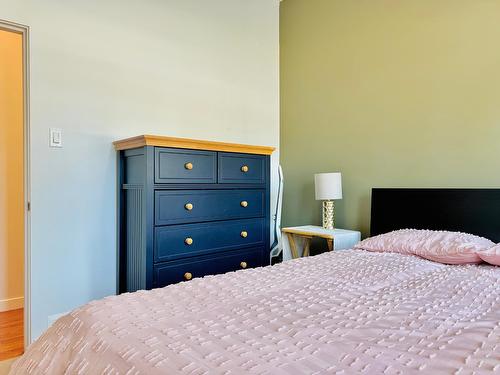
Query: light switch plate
x=55, y=137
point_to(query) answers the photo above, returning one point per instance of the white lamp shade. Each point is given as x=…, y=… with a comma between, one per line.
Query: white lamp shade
x=328, y=186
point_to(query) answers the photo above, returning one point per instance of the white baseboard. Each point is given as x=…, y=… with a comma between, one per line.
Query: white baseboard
x=5, y=365
x=11, y=304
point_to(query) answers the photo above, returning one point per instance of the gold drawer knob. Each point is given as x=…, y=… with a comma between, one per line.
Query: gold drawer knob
x=244, y=234
x=243, y=203
x=188, y=206
x=245, y=169
x=188, y=241
x=188, y=276
x=243, y=265
x=188, y=166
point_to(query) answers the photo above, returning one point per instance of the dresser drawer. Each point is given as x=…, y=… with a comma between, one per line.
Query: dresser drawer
x=180, y=241
x=184, y=166
x=174, y=272
x=241, y=168
x=190, y=206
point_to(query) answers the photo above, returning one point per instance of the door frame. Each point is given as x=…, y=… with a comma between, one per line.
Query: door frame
x=24, y=31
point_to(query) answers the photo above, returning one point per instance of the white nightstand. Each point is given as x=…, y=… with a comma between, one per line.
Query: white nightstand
x=296, y=240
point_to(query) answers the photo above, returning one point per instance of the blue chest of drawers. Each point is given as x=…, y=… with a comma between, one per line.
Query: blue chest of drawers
x=190, y=208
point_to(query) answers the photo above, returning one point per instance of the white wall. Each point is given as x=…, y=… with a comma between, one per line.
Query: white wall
x=105, y=70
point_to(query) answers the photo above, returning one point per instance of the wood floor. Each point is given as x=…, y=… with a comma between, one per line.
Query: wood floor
x=11, y=334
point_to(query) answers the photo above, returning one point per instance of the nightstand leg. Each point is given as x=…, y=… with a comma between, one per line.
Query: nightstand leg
x=293, y=246
x=330, y=243
x=306, y=246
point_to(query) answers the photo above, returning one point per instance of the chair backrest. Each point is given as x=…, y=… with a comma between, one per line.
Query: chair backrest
x=277, y=247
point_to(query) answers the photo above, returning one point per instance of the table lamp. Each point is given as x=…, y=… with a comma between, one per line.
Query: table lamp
x=328, y=186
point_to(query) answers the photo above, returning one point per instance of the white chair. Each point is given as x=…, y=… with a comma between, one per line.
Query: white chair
x=277, y=246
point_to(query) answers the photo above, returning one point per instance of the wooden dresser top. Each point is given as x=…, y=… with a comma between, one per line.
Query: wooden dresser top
x=194, y=144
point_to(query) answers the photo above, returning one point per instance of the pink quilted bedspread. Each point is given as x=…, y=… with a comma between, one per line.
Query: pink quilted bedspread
x=342, y=312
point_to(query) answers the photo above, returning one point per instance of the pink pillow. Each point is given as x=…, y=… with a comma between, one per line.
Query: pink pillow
x=492, y=255
x=439, y=246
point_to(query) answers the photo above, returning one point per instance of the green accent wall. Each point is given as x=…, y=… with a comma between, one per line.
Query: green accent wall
x=391, y=94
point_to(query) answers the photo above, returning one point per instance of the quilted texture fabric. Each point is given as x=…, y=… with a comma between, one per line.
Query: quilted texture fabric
x=342, y=312
x=439, y=246
x=492, y=255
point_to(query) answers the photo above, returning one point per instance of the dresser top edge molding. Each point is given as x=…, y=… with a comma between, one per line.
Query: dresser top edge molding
x=193, y=144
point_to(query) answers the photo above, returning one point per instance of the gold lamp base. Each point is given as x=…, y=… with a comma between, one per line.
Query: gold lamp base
x=328, y=214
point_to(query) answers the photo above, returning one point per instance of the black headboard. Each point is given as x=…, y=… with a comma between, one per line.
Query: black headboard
x=475, y=211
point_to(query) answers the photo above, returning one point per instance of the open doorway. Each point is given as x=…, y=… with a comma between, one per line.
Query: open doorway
x=13, y=189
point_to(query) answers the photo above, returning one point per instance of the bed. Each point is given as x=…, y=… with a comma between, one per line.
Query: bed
x=342, y=312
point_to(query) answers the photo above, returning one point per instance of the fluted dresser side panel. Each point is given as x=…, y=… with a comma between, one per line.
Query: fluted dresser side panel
x=136, y=249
